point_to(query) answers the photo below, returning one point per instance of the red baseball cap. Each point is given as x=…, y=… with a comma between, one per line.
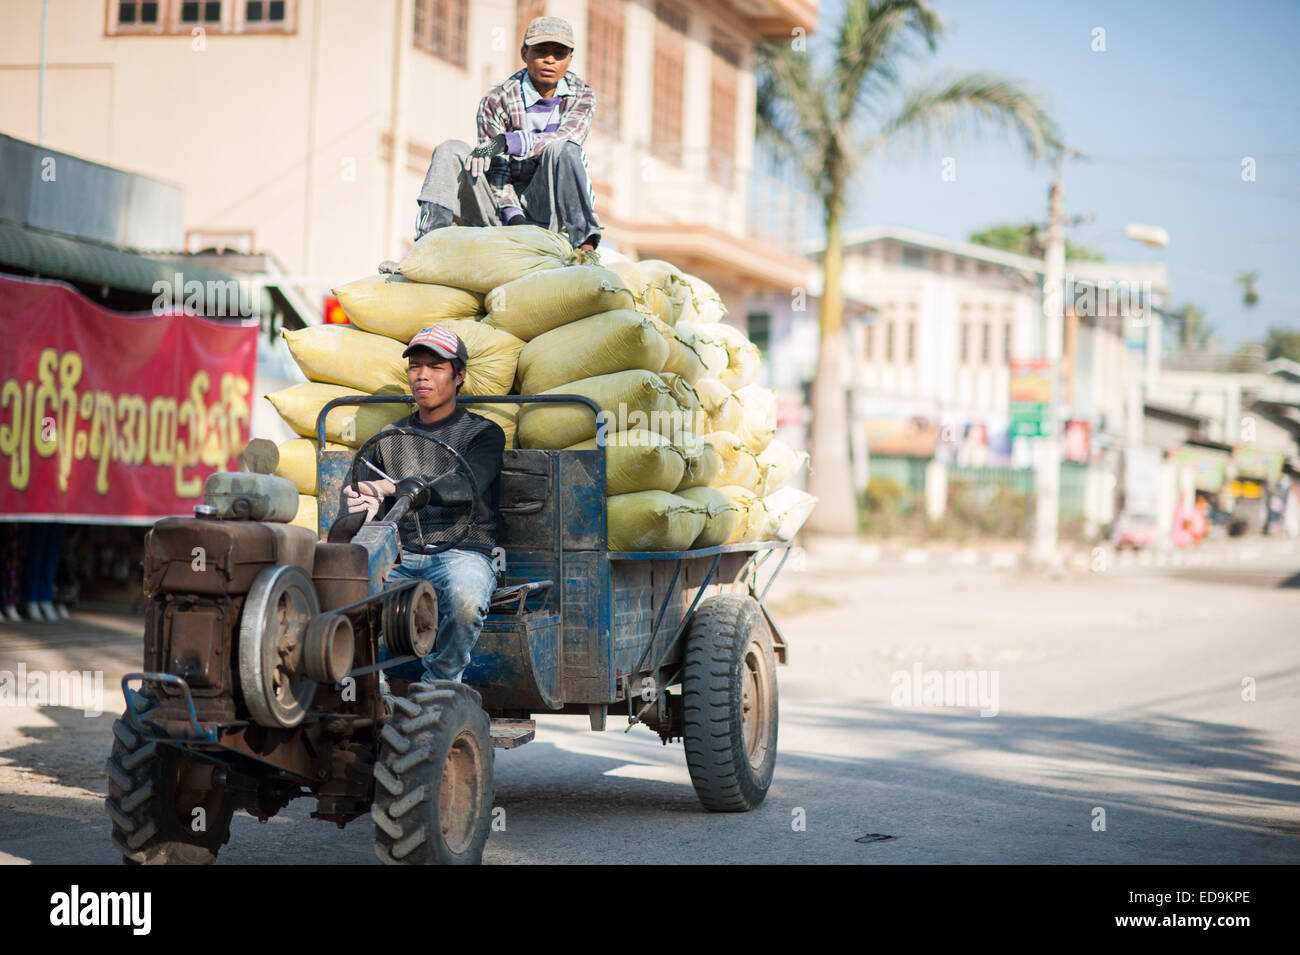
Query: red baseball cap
x=441, y=341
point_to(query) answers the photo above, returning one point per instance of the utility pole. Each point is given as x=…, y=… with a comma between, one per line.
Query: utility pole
x=1047, y=474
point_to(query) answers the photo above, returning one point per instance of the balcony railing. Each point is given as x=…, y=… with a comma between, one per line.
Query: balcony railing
x=697, y=186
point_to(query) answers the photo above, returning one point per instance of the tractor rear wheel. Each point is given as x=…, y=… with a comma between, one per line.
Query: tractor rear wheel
x=433, y=778
x=729, y=703
x=165, y=809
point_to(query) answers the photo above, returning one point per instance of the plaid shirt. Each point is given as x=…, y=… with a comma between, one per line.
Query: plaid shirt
x=502, y=111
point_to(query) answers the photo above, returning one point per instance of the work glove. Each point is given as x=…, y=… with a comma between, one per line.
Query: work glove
x=366, y=499
x=480, y=157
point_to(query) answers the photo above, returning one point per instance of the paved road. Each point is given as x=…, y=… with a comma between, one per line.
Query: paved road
x=1119, y=691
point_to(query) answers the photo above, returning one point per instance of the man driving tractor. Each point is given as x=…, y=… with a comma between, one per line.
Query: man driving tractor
x=529, y=167
x=463, y=577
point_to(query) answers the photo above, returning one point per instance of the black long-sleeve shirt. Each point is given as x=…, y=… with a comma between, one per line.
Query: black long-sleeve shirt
x=481, y=443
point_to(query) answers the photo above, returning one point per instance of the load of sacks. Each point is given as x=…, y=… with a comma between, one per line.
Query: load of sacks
x=690, y=450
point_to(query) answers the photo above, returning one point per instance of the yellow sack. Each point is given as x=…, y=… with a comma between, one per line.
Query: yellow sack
x=658, y=288
x=785, y=512
x=298, y=462
x=670, y=281
x=339, y=355
x=299, y=406
x=652, y=520
x=694, y=419
x=723, y=408
x=596, y=345
x=638, y=460
x=754, y=522
x=743, y=358
x=537, y=303
x=629, y=399
x=739, y=464
x=336, y=354
x=307, y=515
x=709, y=306
x=703, y=463
x=393, y=306
x=712, y=349
x=758, y=424
x=481, y=258
x=723, y=516
x=779, y=464
x=501, y=414
x=683, y=358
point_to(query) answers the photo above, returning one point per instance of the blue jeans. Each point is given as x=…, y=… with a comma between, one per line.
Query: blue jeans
x=464, y=581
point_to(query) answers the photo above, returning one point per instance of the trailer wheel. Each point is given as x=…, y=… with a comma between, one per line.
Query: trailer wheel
x=153, y=795
x=729, y=703
x=433, y=778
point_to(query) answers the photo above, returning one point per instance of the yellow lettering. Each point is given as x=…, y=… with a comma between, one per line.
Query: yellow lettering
x=47, y=393
x=162, y=430
x=69, y=376
x=13, y=437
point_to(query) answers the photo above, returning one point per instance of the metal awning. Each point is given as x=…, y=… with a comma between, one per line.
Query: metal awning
x=51, y=256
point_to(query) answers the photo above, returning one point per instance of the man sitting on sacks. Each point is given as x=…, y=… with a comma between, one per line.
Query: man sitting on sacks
x=529, y=167
x=463, y=577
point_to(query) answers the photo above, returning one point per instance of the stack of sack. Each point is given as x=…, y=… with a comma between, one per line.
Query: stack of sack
x=691, y=458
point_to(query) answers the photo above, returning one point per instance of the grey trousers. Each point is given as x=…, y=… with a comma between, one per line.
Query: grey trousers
x=554, y=192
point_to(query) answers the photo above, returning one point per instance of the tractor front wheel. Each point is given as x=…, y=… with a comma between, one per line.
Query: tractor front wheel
x=433, y=778
x=165, y=809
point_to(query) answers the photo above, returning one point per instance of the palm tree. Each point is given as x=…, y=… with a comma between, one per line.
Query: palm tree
x=1249, y=294
x=828, y=110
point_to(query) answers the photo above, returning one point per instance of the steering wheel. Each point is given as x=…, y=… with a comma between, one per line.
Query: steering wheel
x=405, y=452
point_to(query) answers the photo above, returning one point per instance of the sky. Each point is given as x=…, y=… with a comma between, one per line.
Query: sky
x=1182, y=93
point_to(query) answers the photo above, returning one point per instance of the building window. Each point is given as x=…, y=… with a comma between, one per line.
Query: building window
x=986, y=335
x=911, y=341
x=266, y=13
x=605, y=60
x=163, y=17
x=722, y=111
x=760, y=330
x=526, y=11
x=440, y=28
x=132, y=15
x=870, y=332
x=669, y=65
x=913, y=257
x=889, y=342
x=965, y=342
x=1008, y=331
x=200, y=12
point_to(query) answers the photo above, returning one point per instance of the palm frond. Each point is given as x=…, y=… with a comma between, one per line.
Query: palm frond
x=874, y=36
x=956, y=107
x=793, y=114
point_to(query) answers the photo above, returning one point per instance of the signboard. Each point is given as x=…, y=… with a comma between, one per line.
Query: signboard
x=1141, y=481
x=1258, y=464
x=1208, y=466
x=113, y=418
x=1031, y=396
x=1078, y=441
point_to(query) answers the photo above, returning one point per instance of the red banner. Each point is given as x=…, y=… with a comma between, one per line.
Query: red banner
x=114, y=418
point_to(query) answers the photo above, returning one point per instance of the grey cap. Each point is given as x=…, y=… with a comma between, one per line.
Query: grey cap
x=549, y=30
